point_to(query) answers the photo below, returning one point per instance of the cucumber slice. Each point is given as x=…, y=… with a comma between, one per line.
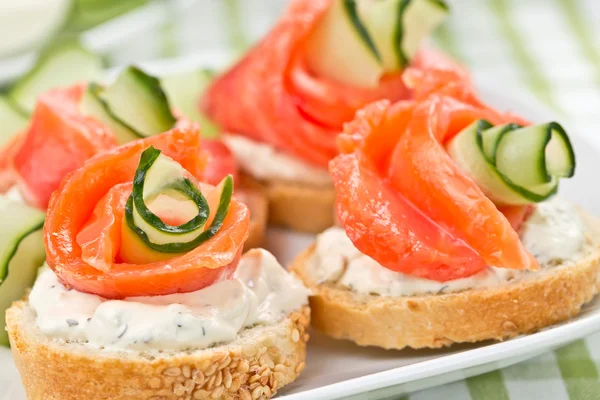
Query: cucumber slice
x=92, y=104
x=340, y=47
x=532, y=155
x=137, y=101
x=184, y=90
x=417, y=20
x=504, y=160
x=358, y=41
x=490, y=139
x=398, y=27
x=21, y=252
x=158, y=175
x=11, y=121
x=60, y=66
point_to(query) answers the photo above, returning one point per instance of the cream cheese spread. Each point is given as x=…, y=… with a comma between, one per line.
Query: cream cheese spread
x=261, y=292
x=554, y=234
x=264, y=162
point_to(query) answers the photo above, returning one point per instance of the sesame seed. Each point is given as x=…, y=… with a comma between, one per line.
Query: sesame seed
x=295, y=335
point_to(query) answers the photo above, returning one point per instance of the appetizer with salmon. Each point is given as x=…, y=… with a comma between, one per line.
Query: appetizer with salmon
x=450, y=228
x=70, y=125
x=284, y=103
x=146, y=293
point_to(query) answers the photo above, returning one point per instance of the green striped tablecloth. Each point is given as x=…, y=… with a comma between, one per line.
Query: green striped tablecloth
x=548, y=48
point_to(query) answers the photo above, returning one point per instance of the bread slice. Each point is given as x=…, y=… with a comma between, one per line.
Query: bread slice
x=257, y=203
x=297, y=206
x=255, y=366
x=437, y=320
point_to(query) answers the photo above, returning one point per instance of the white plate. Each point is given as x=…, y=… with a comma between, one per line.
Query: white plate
x=341, y=370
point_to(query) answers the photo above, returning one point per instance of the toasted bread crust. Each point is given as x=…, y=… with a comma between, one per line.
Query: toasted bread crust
x=297, y=206
x=434, y=321
x=255, y=367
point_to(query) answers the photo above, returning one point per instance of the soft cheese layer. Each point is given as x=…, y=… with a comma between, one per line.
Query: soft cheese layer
x=263, y=161
x=261, y=292
x=554, y=234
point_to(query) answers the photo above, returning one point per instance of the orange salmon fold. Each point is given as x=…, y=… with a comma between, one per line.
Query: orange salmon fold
x=403, y=201
x=77, y=199
x=271, y=96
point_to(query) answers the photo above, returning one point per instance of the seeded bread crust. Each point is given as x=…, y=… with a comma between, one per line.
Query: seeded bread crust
x=297, y=206
x=433, y=321
x=255, y=366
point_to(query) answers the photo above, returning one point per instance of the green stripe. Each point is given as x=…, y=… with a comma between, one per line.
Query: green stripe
x=581, y=28
x=237, y=39
x=488, y=386
x=578, y=371
x=536, y=80
x=447, y=41
x=531, y=371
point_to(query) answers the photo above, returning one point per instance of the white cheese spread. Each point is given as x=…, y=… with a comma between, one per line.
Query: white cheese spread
x=261, y=292
x=263, y=161
x=554, y=234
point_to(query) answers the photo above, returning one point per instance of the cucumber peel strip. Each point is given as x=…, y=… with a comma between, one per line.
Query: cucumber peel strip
x=93, y=104
x=352, y=12
x=31, y=220
x=154, y=89
x=477, y=148
x=136, y=204
x=548, y=154
x=62, y=64
x=125, y=115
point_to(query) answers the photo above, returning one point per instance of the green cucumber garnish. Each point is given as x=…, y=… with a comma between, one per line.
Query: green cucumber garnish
x=21, y=252
x=358, y=41
x=416, y=20
x=340, y=47
x=184, y=90
x=514, y=164
x=157, y=174
x=60, y=66
x=134, y=106
x=399, y=26
x=92, y=104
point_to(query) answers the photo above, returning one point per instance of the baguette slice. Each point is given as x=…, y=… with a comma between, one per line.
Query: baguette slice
x=297, y=206
x=258, y=363
x=433, y=321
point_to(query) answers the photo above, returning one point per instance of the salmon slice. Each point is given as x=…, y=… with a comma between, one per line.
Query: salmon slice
x=434, y=77
x=221, y=162
x=71, y=211
x=58, y=141
x=100, y=238
x=383, y=224
x=517, y=215
x=427, y=177
x=403, y=201
x=280, y=101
